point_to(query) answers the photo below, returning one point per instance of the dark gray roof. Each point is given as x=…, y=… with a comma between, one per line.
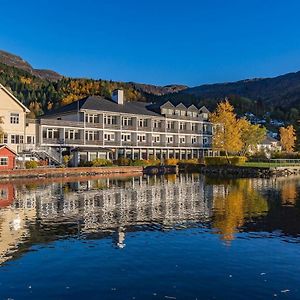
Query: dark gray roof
x=269, y=140
x=203, y=109
x=103, y=104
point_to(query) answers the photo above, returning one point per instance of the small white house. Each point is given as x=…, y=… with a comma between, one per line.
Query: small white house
x=269, y=144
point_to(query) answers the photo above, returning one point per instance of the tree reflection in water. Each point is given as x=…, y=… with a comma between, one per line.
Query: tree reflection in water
x=238, y=202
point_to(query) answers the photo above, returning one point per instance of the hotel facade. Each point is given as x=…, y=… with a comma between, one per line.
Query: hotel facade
x=96, y=127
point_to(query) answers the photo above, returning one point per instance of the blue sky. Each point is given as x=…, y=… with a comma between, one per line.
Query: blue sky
x=160, y=42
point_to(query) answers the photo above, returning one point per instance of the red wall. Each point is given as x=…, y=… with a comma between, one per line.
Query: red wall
x=7, y=194
x=4, y=152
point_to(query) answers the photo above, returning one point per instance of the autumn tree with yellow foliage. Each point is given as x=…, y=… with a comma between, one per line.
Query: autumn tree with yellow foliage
x=231, y=134
x=227, y=133
x=288, y=138
x=251, y=135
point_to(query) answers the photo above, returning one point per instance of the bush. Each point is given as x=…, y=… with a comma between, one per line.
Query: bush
x=138, y=162
x=32, y=164
x=223, y=160
x=171, y=161
x=85, y=164
x=192, y=161
x=101, y=162
x=286, y=155
x=152, y=162
x=122, y=161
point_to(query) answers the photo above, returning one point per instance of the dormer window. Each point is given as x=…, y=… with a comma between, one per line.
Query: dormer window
x=177, y=112
x=14, y=118
x=205, y=116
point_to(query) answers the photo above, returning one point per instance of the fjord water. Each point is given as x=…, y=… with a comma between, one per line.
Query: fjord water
x=185, y=237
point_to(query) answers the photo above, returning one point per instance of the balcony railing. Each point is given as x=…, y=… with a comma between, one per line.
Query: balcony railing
x=112, y=126
x=65, y=123
x=94, y=142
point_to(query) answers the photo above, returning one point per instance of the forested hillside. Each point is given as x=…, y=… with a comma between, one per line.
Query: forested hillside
x=41, y=95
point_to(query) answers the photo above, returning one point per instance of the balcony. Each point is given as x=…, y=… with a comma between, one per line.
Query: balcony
x=158, y=129
x=112, y=126
x=143, y=144
x=94, y=125
x=112, y=143
x=94, y=142
x=73, y=142
x=65, y=123
x=129, y=127
x=55, y=141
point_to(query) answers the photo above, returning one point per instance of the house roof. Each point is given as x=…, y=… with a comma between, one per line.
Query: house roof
x=14, y=98
x=5, y=146
x=104, y=104
x=269, y=140
x=181, y=106
x=193, y=108
x=167, y=104
x=203, y=109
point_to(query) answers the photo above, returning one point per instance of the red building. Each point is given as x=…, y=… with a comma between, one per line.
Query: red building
x=7, y=158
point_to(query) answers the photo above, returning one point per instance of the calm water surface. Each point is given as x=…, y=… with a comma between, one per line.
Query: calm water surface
x=185, y=237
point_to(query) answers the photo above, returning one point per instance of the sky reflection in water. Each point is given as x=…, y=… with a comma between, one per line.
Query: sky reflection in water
x=186, y=237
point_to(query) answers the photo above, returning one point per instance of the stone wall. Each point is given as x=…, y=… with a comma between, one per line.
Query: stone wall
x=62, y=172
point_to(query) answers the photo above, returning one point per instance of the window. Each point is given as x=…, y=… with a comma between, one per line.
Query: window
x=182, y=113
x=3, y=161
x=156, y=138
x=205, y=116
x=71, y=134
x=126, y=137
x=91, y=135
x=177, y=112
x=182, y=139
x=30, y=139
x=170, y=125
x=50, y=133
x=109, y=136
x=141, y=138
x=194, y=140
x=4, y=194
x=17, y=139
x=91, y=118
x=14, y=118
x=182, y=126
x=194, y=126
x=143, y=123
x=170, y=139
x=189, y=113
x=194, y=114
x=4, y=138
x=127, y=121
x=110, y=120
x=156, y=124
x=167, y=111
x=205, y=141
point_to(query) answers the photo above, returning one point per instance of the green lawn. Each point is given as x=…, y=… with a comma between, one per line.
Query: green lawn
x=268, y=164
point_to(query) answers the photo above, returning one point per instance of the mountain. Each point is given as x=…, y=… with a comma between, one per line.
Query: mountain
x=17, y=62
x=44, y=90
x=279, y=91
x=159, y=90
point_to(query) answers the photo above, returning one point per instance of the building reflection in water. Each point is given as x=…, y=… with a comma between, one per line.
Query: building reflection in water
x=42, y=212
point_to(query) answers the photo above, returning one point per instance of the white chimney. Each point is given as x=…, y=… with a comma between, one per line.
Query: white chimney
x=118, y=96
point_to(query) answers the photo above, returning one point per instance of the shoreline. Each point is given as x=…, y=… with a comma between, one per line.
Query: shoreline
x=68, y=172
x=250, y=172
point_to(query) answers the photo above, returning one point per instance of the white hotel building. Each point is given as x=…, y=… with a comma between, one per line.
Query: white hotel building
x=96, y=127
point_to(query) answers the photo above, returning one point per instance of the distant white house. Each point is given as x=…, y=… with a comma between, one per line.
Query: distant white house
x=269, y=144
